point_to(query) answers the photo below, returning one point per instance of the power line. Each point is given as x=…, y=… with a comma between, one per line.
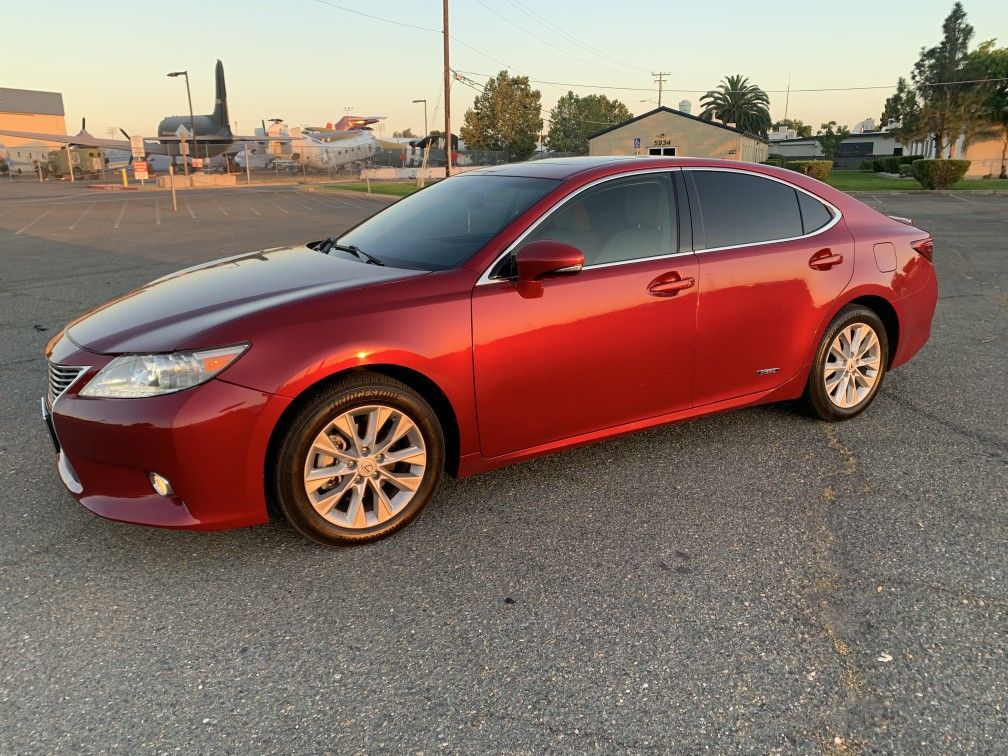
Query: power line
x=733, y=91
x=480, y=52
x=560, y=31
x=378, y=18
x=964, y=81
x=417, y=27
x=624, y=88
x=546, y=42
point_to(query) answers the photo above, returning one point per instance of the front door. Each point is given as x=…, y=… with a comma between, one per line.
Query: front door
x=609, y=345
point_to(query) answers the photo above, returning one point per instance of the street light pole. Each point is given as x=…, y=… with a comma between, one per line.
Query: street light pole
x=192, y=118
x=425, y=133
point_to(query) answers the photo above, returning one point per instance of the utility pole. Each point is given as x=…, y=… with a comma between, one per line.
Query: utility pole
x=447, y=93
x=660, y=81
x=787, y=97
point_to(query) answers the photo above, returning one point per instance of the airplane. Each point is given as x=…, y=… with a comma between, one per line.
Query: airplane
x=213, y=132
x=302, y=146
x=346, y=123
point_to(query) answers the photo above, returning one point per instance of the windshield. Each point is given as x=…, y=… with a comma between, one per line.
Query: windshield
x=443, y=225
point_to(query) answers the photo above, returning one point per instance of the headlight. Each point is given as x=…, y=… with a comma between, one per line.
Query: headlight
x=137, y=375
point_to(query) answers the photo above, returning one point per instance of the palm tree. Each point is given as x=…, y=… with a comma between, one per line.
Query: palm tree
x=737, y=101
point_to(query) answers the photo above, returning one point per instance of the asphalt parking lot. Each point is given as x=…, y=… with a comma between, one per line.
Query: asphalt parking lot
x=752, y=581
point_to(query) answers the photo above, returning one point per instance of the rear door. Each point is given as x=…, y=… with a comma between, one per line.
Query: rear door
x=771, y=259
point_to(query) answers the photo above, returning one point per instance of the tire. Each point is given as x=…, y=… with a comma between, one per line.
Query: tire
x=375, y=481
x=841, y=383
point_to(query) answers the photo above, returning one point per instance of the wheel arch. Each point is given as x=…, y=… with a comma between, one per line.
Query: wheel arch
x=422, y=384
x=874, y=299
x=887, y=314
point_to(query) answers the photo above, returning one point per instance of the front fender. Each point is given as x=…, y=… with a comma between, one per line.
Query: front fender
x=423, y=325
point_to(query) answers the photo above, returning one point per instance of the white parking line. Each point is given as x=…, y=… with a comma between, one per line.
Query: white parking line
x=972, y=202
x=219, y=206
x=342, y=202
x=299, y=203
x=189, y=208
x=278, y=206
x=252, y=209
x=120, y=216
x=32, y=223
x=83, y=215
x=157, y=212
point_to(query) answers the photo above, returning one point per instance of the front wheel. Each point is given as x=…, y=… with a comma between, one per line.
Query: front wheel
x=359, y=461
x=849, y=365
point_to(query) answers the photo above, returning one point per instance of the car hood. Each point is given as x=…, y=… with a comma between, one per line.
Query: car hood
x=171, y=312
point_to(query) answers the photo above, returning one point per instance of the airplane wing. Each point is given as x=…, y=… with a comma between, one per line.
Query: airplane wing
x=152, y=145
x=84, y=140
x=261, y=138
x=333, y=136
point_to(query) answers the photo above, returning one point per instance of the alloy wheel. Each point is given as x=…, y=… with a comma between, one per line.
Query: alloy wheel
x=853, y=365
x=365, y=466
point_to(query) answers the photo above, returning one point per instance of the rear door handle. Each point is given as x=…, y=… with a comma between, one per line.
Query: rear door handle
x=824, y=259
x=669, y=284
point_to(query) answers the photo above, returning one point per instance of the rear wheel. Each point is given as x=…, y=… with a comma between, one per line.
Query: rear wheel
x=359, y=460
x=849, y=365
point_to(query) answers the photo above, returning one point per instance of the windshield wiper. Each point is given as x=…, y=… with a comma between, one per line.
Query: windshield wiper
x=332, y=243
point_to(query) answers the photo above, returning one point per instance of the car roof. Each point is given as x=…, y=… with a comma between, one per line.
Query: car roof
x=580, y=170
x=564, y=168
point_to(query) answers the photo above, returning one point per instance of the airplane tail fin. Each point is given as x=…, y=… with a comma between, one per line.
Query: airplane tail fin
x=220, y=114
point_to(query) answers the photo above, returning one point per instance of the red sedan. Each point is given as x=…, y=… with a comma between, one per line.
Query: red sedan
x=498, y=315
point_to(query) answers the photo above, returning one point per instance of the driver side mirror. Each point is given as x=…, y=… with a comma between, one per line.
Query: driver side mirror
x=542, y=258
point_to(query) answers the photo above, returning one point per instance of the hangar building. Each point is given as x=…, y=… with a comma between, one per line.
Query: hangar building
x=664, y=131
x=30, y=110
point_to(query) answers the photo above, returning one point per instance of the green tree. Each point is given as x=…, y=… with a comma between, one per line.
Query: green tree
x=506, y=116
x=406, y=133
x=575, y=118
x=735, y=100
x=901, y=106
x=801, y=128
x=994, y=63
x=949, y=100
x=830, y=135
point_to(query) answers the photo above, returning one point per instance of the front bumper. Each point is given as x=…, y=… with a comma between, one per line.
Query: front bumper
x=210, y=442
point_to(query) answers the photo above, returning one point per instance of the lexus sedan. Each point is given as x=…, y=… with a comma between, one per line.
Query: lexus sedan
x=498, y=315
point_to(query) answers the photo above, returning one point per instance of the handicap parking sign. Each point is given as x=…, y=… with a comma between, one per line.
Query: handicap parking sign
x=636, y=143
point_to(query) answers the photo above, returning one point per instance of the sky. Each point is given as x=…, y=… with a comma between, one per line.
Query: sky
x=309, y=61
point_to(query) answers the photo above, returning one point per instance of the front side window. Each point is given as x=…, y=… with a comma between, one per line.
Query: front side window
x=447, y=223
x=740, y=208
x=618, y=221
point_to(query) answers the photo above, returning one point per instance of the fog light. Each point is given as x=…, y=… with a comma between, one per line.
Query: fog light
x=161, y=484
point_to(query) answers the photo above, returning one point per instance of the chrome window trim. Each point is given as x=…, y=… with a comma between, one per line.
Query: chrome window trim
x=486, y=279
x=837, y=215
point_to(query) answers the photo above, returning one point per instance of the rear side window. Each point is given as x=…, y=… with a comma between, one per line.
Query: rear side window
x=814, y=214
x=739, y=208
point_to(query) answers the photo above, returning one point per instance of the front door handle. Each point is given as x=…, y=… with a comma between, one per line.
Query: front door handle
x=669, y=284
x=824, y=259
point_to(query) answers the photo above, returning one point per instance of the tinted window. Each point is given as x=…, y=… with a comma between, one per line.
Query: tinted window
x=814, y=213
x=444, y=225
x=620, y=220
x=739, y=208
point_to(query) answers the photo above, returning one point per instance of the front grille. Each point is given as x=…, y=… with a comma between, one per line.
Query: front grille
x=62, y=377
